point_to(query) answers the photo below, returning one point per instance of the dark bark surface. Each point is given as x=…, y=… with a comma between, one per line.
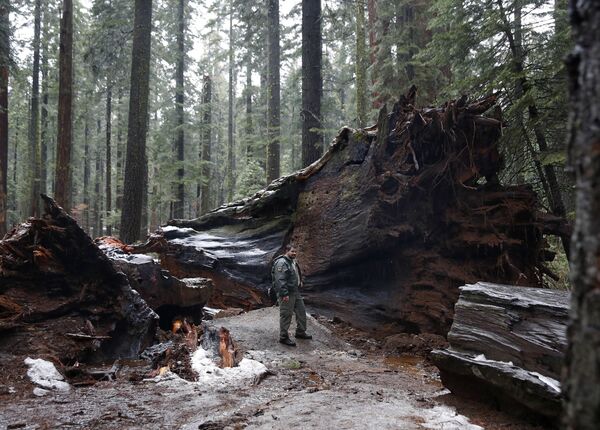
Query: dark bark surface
x=61, y=297
x=206, y=145
x=108, y=170
x=507, y=347
x=4, y=68
x=136, y=162
x=62, y=181
x=34, y=115
x=583, y=356
x=312, y=82
x=179, y=100
x=389, y=223
x=273, y=88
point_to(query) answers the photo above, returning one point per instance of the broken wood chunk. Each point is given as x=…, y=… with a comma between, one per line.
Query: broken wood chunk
x=507, y=346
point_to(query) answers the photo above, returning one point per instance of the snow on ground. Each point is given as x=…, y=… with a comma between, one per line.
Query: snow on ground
x=209, y=374
x=44, y=374
x=442, y=417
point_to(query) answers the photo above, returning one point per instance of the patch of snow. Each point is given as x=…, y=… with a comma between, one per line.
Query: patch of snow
x=551, y=382
x=44, y=374
x=209, y=374
x=194, y=282
x=168, y=228
x=443, y=417
x=40, y=392
x=482, y=358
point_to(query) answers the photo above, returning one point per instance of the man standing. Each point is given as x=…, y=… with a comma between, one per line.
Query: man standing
x=287, y=280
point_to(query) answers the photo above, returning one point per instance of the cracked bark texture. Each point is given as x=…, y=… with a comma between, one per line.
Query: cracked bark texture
x=583, y=355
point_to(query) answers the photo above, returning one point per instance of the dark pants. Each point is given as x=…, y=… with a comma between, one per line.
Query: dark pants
x=295, y=305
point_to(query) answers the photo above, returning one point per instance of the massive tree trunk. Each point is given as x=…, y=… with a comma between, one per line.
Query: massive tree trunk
x=179, y=100
x=273, y=88
x=583, y=355
x=34, y=115
x=312, y=82
x=136, y=164
x=62, y=180
x=389, y=223
x=361, y=65
x=206, y=145
x=4, y=67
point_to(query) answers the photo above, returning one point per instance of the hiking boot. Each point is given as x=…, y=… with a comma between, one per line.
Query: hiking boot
x=287, y=341
x=303, y=336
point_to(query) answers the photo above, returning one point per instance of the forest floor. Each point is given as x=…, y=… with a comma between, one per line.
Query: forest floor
x=323, y=383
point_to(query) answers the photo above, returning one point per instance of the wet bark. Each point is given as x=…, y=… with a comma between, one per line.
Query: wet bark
x=273, y=88
x=312, y=82
x=583, y=355
x=62, y=181
x=4, y=68
x=136, y=164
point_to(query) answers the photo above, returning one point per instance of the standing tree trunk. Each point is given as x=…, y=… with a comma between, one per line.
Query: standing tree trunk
x=4, y=66
x=108, y=173
x=583, y=355
x=86, y=175
x=119, y=196
x=136, y=164
x=249, y=128
x=230, y=143
x=62, y=180
x=361, y=69
x=273, y=87
x=179, y=100
x=312, y=82
x=44, y=111
x=206, y=143
x=34, y=125
x=98, y=184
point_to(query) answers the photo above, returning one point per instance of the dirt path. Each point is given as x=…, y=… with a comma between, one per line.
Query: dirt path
x=322, y=384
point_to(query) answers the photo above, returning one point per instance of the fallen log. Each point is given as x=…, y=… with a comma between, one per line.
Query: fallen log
x=507, y=346
x=61, y=297
x=388, y=223
x=171, y=298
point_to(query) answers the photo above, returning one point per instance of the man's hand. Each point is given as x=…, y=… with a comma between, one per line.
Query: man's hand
x=285, y=299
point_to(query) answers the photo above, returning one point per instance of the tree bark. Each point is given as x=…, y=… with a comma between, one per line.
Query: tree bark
x=273, y=87
x=206, y=145
x=179, y=100
x=361, y=70
x=62, y=181
x=86, y=175
x=312, y=82
x=136, y=164
x=98, y=216
x=583, y=354
x=230, y=143
x=119, y=196
x=44, y=110
x=4, y=68
x=108, y=192
x=34, y=124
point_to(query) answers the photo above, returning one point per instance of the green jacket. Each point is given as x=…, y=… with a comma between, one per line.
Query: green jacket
x=286, y=280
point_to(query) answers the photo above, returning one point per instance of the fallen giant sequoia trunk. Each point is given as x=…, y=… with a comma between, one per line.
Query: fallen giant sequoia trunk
x=507, y=346
x=60, y=296
x=389, y=223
